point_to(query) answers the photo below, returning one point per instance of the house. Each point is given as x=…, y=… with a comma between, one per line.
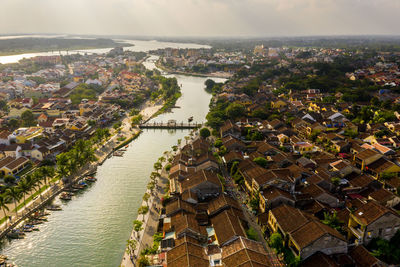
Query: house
x=372, y=220
x=362, y=257
x=204, y=183
x=278, y=104
x=321, y=195
x=187, y=252
x=382, y=166
x=227, y=227
x=40, y=153
x=15, y=166
x=244, y=252
x=272, y=197
x=230, y=129
x=313, y=237
x=384, y=198
x=365, y=158
x=303, y=147
x=286, y=219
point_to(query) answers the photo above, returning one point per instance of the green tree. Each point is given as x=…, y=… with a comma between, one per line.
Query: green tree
x=332, y=220
x=3, y=204
x=261, y=161
x=28, y=119
x=9, y=179
x=131, y=245
x=204, y=132
x=157, y=166
x=276, y=242
x=335, y=181
x=137, y=225
x=235, y=110
x=209, y=84
x=143, y=210
x=15, y=195
x=146, y=197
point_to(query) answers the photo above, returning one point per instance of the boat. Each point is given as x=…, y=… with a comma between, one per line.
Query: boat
x=35, y=222
x=82, y=183
x=65, y=196
x=190, y=119
x=31, y=226
x=90, y=179
x=126, y=146
x=91, y=173
x=42, y=218
x=16, y=234
x=70, y=190
x=54, y=207
x=78, y=186
x=118, y=153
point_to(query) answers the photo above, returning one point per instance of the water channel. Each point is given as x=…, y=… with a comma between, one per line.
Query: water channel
x=92, y=229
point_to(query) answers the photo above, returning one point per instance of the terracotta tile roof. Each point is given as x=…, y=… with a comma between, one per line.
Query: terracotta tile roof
x=382, y=196
x=227, y=226
x=381, y=165
x=366, y=154
x=17, y=163
x=370, y=212
x=289, y=218
x=319, y=259
x=273, y=192
x=198, y=178
x=363, y=257
x=361, y=181
x=178, y=205
x=312, y=231
x=185, y=222
x=187, y=254
x=220, y=203
x=5, y=161
x=244, y=252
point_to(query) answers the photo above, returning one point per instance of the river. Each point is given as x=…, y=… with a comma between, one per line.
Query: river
x=92, y=229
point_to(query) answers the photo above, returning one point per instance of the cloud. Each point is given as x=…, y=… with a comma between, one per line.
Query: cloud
x=201, y=17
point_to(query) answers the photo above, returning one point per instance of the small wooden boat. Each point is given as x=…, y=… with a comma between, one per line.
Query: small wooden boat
x=118, y=153
x=90, y=179
x=31, y=226
x=42, y=218
x=54, y=207
x=65, y=196
x=16, y=234
x=190, y=119
x=78, y=186
x=35, y=222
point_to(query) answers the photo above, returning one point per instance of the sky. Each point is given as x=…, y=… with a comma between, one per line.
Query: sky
x=246, y=18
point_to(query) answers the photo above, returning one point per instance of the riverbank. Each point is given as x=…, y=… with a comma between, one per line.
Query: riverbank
x=102, y=153
x=223, y=75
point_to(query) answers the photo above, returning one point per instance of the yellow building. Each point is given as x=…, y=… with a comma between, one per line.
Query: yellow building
x=23, y=135
x=278, y=104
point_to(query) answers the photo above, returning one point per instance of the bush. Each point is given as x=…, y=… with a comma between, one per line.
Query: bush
x=204, y=132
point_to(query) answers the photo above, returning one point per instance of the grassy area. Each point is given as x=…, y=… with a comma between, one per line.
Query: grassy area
x=127, y=141
x=169, y=104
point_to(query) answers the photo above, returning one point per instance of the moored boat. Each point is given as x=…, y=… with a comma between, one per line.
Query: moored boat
x=65, y=196
x=90, y=179
x=54, y=207
x=16, y=234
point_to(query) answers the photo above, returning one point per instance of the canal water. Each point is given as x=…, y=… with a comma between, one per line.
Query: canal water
x=92, y=229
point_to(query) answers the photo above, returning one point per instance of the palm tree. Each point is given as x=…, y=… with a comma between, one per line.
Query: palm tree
x=37, y=182
x=47, y=172
x=3, y=204
x=24, y=186
x=14, y=194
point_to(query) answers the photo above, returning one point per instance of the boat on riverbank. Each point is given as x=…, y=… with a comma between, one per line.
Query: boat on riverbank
x=54, y=207
x=65, y=196
x=118, y=153
x=16, y=234
x=90, y=179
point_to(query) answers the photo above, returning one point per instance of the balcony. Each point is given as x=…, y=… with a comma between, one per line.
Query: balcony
x=356, y=231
